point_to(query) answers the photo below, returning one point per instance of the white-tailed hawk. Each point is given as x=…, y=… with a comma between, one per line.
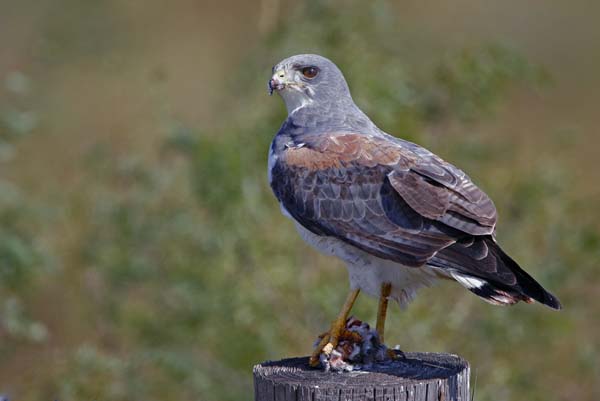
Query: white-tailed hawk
x=399, y=216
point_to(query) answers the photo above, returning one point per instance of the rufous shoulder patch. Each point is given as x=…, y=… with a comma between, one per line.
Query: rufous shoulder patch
x=337, y=149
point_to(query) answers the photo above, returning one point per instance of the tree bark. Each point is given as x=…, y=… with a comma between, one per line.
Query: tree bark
x=417, y=377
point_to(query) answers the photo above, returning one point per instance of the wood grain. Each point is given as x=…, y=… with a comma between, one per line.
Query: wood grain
x=417, y=377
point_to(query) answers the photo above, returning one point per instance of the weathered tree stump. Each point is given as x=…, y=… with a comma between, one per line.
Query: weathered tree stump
x=417, y=377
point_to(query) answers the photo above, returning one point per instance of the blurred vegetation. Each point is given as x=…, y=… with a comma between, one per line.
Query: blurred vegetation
x=167, y=275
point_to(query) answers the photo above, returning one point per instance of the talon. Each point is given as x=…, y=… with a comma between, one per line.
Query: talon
x=395, y=354
x=313, y=363
x=314, y=360
x=328, y=348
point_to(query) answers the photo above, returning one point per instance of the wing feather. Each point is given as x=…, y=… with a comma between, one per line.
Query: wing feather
x=398, y=201
x=365, y=191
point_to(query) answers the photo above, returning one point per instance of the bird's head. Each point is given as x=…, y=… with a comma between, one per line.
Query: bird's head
x=308, y=79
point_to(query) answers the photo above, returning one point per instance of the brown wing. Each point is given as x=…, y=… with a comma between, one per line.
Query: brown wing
x=398, y=201
x=379, y=195
x=440, y=191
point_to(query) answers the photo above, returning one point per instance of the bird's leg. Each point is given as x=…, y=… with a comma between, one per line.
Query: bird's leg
x=386, y=289
x=330, y=339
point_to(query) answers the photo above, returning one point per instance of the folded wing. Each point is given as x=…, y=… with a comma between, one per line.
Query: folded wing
x=398, y=201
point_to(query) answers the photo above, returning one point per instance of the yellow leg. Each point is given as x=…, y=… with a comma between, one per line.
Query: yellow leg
x=330, y=339
x=386, y=289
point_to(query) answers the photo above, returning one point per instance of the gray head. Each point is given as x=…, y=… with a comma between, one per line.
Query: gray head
x=309, y=80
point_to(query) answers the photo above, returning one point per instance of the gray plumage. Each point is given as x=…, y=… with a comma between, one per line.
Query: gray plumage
x=380, y=203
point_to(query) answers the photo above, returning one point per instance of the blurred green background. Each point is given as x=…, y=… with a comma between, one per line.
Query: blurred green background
x=142, y=255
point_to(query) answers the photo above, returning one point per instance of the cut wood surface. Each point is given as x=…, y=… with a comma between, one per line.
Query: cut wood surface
x=416, y=377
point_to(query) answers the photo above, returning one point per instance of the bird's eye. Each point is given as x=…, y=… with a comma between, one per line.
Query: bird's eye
x=310, y=72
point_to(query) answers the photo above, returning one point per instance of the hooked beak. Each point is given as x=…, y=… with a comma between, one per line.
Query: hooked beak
x=277, y=82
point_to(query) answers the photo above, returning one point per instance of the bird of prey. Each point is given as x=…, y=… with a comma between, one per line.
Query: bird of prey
x=399, y=216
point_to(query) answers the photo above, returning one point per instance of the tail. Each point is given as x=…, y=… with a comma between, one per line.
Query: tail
x=529, y=287
x=483, y=268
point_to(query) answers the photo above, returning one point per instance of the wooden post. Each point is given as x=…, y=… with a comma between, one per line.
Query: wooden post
x=417, y=377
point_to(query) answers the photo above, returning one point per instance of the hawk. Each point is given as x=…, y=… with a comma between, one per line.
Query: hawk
x=399, y=216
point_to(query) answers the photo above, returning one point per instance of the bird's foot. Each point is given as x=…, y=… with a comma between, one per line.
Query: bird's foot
x=355, y=346
x=329, y=340
x=395, y=353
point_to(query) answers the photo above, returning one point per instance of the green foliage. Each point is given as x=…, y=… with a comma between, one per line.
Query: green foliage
x=469, y=84
x=18, y=254
x=21, y=259
x=22, y=255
